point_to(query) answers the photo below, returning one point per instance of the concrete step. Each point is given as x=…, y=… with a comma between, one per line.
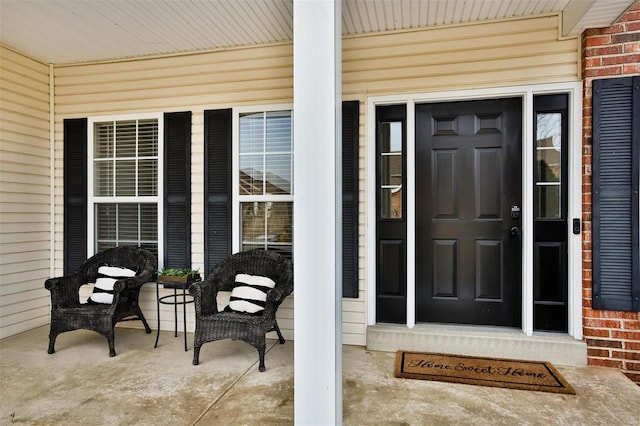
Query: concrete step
x=496, y=342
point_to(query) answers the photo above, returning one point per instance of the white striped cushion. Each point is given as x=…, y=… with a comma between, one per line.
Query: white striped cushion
x=250, y=293
x=107, y=276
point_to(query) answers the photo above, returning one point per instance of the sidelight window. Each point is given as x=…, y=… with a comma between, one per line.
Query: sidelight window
x=549, y=164
x=550, y=202
x=391, y=162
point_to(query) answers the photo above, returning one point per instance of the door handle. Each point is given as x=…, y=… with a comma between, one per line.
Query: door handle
x=514, y=231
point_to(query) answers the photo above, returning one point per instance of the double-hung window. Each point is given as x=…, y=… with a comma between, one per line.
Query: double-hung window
x=125, y=182
x=265, y=180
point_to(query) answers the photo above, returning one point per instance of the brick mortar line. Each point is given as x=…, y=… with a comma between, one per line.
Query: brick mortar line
x=610, y=358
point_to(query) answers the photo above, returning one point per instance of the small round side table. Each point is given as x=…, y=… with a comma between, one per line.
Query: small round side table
x=174, y=299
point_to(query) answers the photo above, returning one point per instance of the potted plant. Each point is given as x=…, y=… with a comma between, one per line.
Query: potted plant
x=178, y=275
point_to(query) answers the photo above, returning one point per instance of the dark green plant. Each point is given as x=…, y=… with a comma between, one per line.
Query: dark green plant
x=178, y=272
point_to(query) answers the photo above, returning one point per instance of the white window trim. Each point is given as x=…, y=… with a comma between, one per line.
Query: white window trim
x=92, y=199
x=236, y=199
x=574, y=242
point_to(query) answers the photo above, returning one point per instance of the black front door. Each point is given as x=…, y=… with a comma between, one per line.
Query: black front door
x=468, y=218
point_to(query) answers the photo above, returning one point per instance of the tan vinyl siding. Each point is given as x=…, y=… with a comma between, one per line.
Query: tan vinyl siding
x=504, y=53
x=24, y=193
x=222, y=79
x=510, y=52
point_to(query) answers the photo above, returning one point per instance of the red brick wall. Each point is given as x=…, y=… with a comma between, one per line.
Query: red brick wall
x=613, y=338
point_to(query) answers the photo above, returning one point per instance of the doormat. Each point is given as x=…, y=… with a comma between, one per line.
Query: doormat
x=496, y=372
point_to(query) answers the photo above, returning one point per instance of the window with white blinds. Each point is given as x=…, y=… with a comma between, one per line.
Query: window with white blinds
x=265, y=192
x=124, y=191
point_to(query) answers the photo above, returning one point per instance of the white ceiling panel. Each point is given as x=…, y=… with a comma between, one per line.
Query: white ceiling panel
x=362, y=16
x=75, y=31
x=68, y=31
x=598, y=13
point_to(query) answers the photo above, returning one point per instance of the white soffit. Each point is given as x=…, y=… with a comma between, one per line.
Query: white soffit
x=364, y=16
x=582, y=14
x=76, y=31
x=72, y=31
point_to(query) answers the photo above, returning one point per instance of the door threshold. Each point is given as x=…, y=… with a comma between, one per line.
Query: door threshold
x=496, y=342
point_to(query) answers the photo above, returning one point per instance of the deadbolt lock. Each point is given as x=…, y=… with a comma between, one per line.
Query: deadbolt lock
x=515, y=212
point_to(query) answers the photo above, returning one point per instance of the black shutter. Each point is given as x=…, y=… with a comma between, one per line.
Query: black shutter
x=75, y=193
x=350, y=129
x=217, y=191
x=177, y=189
x=616, y=159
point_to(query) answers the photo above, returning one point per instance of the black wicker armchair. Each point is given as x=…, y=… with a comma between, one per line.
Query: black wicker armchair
x=251, y=327
x=67, y=313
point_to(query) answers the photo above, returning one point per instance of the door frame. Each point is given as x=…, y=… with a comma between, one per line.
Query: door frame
x=574, y=242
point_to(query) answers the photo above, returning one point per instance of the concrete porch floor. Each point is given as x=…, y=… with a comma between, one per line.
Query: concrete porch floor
x=81, y=385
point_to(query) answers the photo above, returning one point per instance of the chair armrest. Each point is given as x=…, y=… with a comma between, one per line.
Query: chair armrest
x=277, y=295
x=65, y=290
x=53, y=283
x=204, y=297
x=75, y=280
x=132, y=282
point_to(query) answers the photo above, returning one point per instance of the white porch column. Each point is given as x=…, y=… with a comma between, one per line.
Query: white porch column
x=317, y=90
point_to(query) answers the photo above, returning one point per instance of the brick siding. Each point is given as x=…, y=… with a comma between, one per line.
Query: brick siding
x=613, y=338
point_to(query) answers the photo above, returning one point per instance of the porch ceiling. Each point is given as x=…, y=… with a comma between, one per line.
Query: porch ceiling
x=76, y=31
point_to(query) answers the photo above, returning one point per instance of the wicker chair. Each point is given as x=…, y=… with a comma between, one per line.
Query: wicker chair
x=212, y=324
x=67, y=313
